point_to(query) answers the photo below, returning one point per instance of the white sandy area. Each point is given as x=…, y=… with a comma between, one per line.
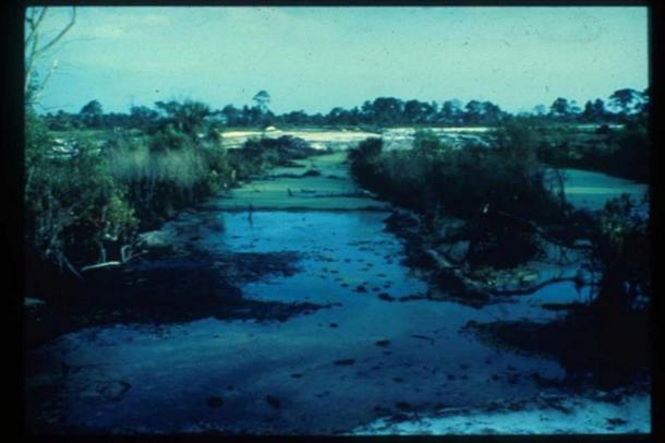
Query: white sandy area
x=577, y=415
x=314, y=137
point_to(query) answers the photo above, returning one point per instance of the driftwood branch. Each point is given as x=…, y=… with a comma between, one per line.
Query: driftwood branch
x=69, y=265
x=531, y=289
x=125, y=256
x=125, y=253
x=101, y=265
x=445, y=264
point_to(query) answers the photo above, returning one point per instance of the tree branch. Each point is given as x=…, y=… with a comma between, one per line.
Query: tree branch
x=69, y=266
x=444, y=264
x=100, y=265
x=33, y=51
x=34, y=24
x=60, y=35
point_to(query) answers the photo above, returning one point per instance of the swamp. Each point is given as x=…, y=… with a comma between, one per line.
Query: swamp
x=403, y=267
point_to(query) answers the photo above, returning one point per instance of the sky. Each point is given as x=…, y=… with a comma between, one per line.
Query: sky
x=317, y=58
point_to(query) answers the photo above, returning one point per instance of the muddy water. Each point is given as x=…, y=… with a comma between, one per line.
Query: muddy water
x=370, y=354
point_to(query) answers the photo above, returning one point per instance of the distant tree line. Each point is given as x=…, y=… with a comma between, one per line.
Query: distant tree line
x=382, y=111
x=623, y=152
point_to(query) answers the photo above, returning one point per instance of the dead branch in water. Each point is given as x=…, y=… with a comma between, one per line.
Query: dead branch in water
x=100, y=265
x=445, y=264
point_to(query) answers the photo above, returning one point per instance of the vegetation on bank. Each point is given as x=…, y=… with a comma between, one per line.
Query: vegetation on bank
x=85, y=204
x=617, y=142
x=623, y=152
x=490, y=188
x=509, y=203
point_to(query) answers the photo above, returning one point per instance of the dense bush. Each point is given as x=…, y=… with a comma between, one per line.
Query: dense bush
x=621, y=152
x=85, y=203
x=621, y=256
x=257, y=154
x=433, y=176
x=490, y=187
x=75, y=210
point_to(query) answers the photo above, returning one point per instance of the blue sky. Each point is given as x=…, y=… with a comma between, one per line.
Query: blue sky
x=317, y=58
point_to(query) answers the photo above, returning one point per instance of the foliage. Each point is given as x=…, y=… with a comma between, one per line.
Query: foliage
x=91, y=114
x=257, y=154
x=622, y=152
x=262, y=98
x=621, y=256
x=374, y=114
x=563, y=109
x=627, y=101
x=85, y=197
x=169, y=170
x=594, y=111
x=477, y=183
x=185, y=118
x=75, y=210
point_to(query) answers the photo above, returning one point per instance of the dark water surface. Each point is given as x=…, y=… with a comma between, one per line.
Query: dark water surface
x=366, y=356
x=325, y=369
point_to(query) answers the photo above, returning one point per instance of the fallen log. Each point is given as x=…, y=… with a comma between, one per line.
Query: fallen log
x=100, y=265
x=445, y=264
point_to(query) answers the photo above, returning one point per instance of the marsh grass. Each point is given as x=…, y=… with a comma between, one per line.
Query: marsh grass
x=184, y=168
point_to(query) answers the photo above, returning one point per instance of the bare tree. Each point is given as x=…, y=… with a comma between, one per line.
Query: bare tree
x=35, y=48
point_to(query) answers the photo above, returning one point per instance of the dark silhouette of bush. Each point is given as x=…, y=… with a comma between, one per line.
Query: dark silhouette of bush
x=490, y=187
x=257, y=154
x=621, y=256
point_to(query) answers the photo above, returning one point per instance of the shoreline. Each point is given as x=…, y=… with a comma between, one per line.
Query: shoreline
x=186, y=252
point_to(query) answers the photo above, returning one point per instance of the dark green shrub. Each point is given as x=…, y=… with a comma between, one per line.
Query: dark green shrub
x=257, y=154
x=75, y=210
x=490, y=187
x=621, y=255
